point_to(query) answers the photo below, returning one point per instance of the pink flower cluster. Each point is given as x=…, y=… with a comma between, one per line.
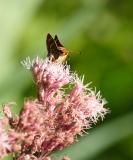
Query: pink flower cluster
x=64, y=107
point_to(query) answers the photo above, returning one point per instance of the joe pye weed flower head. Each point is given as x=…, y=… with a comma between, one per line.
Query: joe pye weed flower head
x=64, y=108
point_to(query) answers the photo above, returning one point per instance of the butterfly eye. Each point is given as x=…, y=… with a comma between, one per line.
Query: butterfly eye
x=61, y=51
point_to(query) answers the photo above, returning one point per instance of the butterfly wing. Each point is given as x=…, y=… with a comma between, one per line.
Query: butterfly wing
x=52, y=48
x=58, y=43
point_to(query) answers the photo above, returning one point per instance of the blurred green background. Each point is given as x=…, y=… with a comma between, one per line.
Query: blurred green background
x=99, y=35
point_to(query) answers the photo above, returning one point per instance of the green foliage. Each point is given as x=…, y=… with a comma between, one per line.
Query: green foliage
x=98, y=34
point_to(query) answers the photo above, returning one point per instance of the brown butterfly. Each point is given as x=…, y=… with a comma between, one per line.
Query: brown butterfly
x=56, y=51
